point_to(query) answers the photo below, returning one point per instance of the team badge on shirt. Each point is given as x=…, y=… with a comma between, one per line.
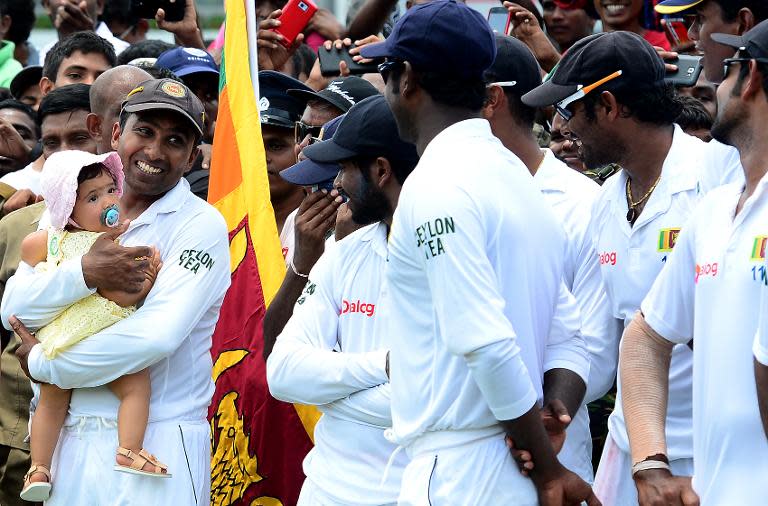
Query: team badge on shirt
x=667, y=239
x=758, y=248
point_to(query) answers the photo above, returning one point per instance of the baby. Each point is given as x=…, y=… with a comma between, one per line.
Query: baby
x=82, y=192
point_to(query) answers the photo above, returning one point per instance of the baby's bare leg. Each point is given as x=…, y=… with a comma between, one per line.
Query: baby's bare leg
x=46, y=425
x=133, y=390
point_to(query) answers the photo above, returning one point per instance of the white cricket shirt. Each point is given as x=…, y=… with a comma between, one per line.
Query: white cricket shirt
x=720, y=165
x=288, y=236
x=710, y=291
x=475, y=258
x=572, y=196
x=331, y=355
x=631, y=259
x=170, y=333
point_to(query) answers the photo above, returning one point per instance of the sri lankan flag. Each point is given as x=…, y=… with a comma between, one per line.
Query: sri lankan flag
x=258, y=443
x=758, y=248
x=667, y=238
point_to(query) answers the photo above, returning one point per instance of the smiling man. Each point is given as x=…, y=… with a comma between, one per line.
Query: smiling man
x=160, y=126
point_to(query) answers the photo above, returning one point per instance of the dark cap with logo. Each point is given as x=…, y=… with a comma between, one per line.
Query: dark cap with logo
x=276, y=106
x=514, y=63
x=342, y=93
x=596, y=57
x=308, y=172
x=754, y=42
x=169, y=95
x=368, y=130
x=445, y=37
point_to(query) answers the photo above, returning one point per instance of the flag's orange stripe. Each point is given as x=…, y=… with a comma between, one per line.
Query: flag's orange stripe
x=227, y=174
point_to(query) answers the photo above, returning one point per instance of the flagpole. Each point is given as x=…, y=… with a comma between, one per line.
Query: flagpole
x=252, y=29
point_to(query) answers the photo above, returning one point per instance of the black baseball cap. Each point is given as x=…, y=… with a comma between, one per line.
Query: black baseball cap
x=166, y=94
x=342, y=93
x=514, y=63
x=754, y=42
x=276, y=106
x=27, y=77
x=368, y=130
x=445, y=37
x=308, y=172
x=596, y=57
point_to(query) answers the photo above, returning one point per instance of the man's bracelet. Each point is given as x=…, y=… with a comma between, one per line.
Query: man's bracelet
x=649, y=464
x=293, y=268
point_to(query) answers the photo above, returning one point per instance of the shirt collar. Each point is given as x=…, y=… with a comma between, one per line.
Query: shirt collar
x=171, y=202
x=678, y=172
x=377, y=236
x=475, y=127
x=549, y=173
x=103, y=31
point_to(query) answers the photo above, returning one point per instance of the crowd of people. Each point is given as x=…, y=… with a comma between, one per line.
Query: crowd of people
x=488, y=242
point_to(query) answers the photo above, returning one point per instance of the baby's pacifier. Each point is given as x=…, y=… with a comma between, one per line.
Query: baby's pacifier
x=110, y=216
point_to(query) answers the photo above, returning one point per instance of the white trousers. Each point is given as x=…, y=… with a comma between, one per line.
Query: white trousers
x=614, y=485
x=83, y=466
x=312, y=495
x=481, y=473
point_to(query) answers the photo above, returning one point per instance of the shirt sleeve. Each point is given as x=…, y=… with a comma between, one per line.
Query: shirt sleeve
x=453, y=239
x=194, y=278
x=368, y=407
x=668, y=307
x=303, y=366
x=566, y=348
x=37, y=298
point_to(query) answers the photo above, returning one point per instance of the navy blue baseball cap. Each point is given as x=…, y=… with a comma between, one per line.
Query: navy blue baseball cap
x=276, y=106
x=443, y=36
x=369, y=130
x=675, y=6
x=187, y=60
x=308, y=172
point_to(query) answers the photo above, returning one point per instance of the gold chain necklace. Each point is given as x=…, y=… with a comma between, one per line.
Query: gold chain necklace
x=632, y=214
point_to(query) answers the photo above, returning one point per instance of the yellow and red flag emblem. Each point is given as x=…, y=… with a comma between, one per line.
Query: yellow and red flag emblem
x=258, y=443
x=667, y=239
x=758, y=247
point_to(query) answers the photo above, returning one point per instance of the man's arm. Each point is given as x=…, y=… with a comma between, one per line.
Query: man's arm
x=370, y=407
x=666, y=319
x=599, y=329
x=370, y=18
x=193, y=279
x=315, y=218
x=760, y=351
x=36, y=299
x=303, y=366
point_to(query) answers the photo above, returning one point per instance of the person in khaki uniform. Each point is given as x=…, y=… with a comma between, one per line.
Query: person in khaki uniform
x=15, y=390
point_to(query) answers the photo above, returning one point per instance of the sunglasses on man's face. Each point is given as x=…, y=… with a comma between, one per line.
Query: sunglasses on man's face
x=562, y=106
x=301, y=130
x=730, y=61
x=386, y=68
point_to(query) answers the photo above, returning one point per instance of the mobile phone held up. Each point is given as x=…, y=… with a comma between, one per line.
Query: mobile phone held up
x=676, y=31
x=147, y=9
x=499, y=18
x=688, y=70
x=296, y=14
x=330, y=59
